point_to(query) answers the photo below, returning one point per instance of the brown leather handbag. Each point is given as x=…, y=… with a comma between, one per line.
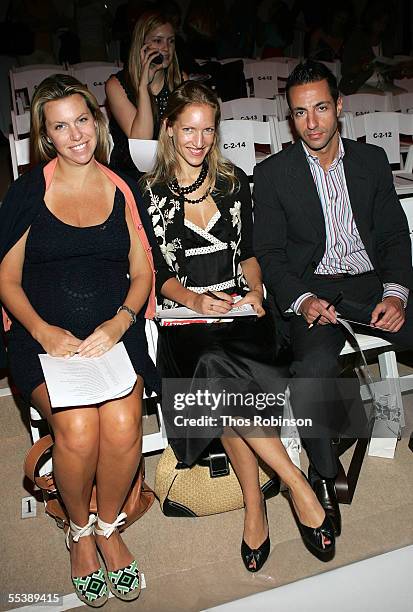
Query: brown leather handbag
x=138, y=501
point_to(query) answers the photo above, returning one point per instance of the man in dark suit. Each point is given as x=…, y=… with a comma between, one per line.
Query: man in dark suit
x=328, y=223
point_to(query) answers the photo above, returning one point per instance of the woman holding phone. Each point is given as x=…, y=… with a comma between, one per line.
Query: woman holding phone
x=138, y=94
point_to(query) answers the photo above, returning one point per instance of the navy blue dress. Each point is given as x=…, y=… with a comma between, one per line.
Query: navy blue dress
x=76, y=278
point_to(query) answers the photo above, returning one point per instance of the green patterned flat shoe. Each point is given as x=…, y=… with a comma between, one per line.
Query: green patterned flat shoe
x=91, y=589
x=125, y=583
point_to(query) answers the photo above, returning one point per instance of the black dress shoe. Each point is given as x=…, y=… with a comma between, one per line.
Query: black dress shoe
x=259, y=555
x=325, y=490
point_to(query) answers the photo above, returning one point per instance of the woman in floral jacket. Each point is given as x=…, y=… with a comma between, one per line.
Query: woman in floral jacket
x=200, y=206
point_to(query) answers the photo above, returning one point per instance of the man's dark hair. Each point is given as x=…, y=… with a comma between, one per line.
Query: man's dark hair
x=311, y=71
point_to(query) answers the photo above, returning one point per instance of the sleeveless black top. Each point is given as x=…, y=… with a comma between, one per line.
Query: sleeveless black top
x=120, y=158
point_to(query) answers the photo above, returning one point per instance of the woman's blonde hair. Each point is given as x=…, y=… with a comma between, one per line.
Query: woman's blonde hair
x=150, y=20
x=166, y=162
x=56, y=87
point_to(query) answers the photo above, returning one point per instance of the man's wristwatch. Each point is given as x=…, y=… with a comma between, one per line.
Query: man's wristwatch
x=130, y=312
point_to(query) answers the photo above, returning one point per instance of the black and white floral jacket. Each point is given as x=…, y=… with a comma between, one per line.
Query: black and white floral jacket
x=167, y=214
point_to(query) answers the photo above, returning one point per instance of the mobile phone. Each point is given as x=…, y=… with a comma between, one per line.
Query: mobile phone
x=158, y=59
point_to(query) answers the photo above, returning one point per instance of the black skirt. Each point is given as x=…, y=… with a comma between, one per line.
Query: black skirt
x=219, y=357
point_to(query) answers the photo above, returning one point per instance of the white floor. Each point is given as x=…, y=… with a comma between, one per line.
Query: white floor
x=379, y=584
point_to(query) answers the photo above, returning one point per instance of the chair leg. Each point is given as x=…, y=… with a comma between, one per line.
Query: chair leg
x=346, y=483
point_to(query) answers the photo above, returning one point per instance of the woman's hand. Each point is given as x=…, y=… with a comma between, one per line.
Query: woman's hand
x=255, y=299
x=58, y=342
x=204, y=304
x=103, y=338
x=149, y=69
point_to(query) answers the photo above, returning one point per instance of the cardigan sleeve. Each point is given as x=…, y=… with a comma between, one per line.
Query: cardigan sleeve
x=19, y=207
x=17, y=211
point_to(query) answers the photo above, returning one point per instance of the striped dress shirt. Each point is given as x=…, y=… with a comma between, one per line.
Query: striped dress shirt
x=345, y=251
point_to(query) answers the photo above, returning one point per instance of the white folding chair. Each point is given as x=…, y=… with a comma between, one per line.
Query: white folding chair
x=237, y=138
x=384, y=129
x=362, y=103
x=285, y=65
x=143, y=153
x=20, y=124
x=94, y=75
x=154, y=441
x=264, y=77
x=281, y=133
x=346, y=124
x=20, y=154
x=283, y=110
x=248, y=108
x=24, y=80
x=405, y=102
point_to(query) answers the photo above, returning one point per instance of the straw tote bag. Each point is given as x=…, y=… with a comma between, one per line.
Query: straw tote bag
x=208, y=487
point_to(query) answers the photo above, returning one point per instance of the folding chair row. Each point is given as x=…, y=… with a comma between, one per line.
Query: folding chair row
x=94, y=75
x=384, y=129
x=362, y=103
x=237, y=138
x=403, y=102
x=254, y=109
x=24, y=80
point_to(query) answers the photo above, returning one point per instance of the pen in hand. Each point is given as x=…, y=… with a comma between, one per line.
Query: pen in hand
x=334, y=303
x=217, y=297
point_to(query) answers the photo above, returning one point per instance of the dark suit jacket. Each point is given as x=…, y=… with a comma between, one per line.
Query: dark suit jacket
x=289, y=229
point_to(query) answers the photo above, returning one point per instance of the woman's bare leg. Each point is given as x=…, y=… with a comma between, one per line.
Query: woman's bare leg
x=75, y=454
x=272, y=452
x=120, y=449
x=245, y=464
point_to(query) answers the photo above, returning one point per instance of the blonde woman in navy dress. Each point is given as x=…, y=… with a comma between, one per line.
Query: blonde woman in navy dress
x=76, y=275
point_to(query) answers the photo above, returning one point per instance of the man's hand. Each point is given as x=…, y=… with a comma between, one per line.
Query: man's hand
x=312, y=307
x=388, y=315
